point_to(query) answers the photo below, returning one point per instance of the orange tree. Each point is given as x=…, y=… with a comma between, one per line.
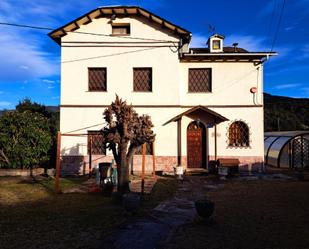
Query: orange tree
x=25, y=139
x=125, y=131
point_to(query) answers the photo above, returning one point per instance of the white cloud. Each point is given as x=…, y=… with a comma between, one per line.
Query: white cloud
x=5, y=104
x=24, y=59
x=248, y=42
x=286, y=86
x=48, y=81
x=289, y=28
x=198, y=41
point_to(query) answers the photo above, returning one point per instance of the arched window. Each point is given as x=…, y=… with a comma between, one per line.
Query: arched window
x=238, y=134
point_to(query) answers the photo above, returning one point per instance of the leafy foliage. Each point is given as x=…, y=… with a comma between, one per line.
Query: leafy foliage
x=124, y=132
x=285, y=114
x=52, y=114
x=27, y=105
x=25, y=139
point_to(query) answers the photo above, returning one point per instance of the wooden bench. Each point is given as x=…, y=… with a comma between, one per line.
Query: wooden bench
x=228, y=166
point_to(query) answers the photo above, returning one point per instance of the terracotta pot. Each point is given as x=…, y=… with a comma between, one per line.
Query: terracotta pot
x=204, y=208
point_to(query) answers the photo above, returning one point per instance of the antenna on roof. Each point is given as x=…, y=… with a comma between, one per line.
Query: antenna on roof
x=211, y=29
x=235, y=44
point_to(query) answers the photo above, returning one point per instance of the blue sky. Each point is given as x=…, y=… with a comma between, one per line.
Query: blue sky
x=30, y=60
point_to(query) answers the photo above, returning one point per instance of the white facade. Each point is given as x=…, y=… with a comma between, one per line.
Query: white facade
x=232, y=77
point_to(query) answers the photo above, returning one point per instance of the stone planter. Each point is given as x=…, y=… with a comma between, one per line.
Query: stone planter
x=204, y=208
x=131, y=202
x=51, y=172
x=178, y=171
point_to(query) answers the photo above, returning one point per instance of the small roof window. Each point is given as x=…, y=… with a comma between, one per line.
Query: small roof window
x=215, y=43
x=121, y=29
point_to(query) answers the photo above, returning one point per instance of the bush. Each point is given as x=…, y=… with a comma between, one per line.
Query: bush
x=25, y=139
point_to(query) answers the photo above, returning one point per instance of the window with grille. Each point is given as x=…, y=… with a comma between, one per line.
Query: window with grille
x=121, y=29
x=142, y=79
x=97, y=79
x=139, y=151
x=199, y=80
x=238, y=134
x=96, y=143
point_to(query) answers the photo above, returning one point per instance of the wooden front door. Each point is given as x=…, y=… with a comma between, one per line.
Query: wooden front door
x=196, y=145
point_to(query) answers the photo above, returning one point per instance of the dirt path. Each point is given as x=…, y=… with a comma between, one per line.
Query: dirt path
x=150, y=232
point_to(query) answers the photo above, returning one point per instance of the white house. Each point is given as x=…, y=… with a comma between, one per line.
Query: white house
x=206, y=103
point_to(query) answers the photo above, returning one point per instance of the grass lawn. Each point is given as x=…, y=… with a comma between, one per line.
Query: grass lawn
x=32, y=216
x=252, y=214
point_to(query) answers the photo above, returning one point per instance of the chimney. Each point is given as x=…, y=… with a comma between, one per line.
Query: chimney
x=235, y=44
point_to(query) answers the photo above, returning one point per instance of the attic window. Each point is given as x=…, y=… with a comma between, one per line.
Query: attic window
x=216, y=44
x=121, y=29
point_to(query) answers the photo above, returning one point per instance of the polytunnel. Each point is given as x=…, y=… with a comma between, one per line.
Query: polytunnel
x=287, y=149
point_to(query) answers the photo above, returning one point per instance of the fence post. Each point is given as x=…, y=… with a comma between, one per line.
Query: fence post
x=90, y=155
x=143, y=167
x=57, y=180
x=153, y=160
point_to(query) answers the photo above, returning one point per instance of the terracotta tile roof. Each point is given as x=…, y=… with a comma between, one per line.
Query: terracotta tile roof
x=225, y=50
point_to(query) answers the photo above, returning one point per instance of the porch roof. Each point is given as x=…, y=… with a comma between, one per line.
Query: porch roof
x=217, y=117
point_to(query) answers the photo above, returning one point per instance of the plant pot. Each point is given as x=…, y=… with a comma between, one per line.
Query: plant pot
x=108, y=188
x=178, y=170
x=204, y=208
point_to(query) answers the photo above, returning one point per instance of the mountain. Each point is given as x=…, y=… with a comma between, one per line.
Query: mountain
x=285, y=113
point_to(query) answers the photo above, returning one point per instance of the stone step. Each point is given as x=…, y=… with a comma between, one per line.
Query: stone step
x=198, y=171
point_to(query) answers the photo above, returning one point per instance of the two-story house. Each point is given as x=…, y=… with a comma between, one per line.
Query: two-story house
x=205, y=103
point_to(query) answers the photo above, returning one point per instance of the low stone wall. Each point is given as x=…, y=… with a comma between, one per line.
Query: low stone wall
x=20, y=172
x=79, y=165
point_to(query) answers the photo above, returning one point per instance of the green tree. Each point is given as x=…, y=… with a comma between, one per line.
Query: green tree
x=27, y=105
x=25, y=139
x=53, y=118
x=124, y=133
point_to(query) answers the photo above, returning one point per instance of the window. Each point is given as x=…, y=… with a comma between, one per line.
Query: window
x=199, y=80
x=97, y=79
x=139, y=151
x=97, y=143
x=121, y=29
x=142, y=79
x=216, y=44
x=238, y=134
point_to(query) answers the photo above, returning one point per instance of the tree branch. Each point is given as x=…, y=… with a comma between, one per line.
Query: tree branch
x=3, y=157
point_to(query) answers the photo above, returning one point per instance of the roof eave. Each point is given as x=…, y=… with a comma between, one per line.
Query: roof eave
x=179, y=31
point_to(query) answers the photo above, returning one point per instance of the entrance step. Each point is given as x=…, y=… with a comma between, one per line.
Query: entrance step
x=198, y=171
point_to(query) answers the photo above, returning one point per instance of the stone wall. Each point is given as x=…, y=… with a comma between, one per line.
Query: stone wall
x=20, y=172
x=79, y=165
